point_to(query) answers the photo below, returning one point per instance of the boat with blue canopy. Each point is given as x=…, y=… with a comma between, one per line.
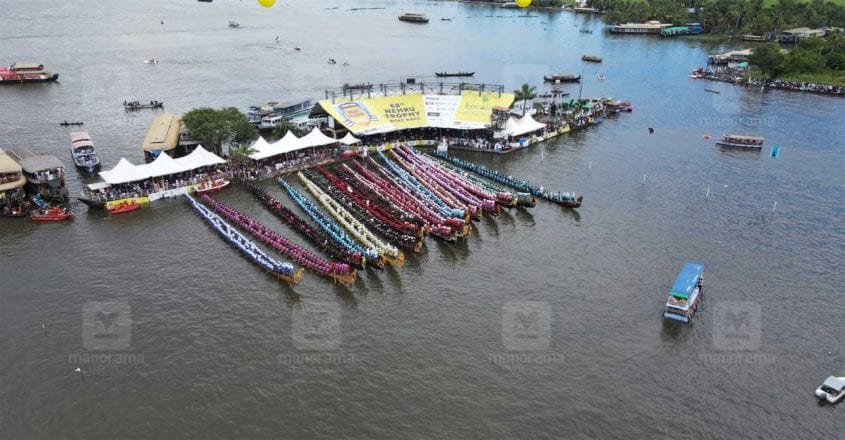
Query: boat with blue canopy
x=685, y=293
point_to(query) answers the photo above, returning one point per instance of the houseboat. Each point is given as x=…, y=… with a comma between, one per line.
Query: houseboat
x=741, y=141
x=411, y=17
x=562, y=77
x=26, y=73
x=13, y=202
x=685, y=293
x=832, y=389
x=45, y=175
x=166, y=134
x=649, y=27
x=591, y=58
x=257, y=113
x=82, y=151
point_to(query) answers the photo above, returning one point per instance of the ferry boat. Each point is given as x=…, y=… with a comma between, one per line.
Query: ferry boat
x=82, y=151
x=258, y=113
x=562, y=77
x=832, y=390
x=741, y=141
x=45, y=174
x=411, y=17
x=591, y=58
x=685, y=293
x=26, y=73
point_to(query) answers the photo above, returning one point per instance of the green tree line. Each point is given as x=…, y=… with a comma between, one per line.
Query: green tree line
x=727, y=16
x=810, y=56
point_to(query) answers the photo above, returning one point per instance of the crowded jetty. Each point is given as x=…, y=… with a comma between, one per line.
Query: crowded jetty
x=373, y=175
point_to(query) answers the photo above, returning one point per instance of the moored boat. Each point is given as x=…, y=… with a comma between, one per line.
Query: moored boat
x=685, y=294
x=26, y=73
x=82, y=151
x=454, y=74
x=591, y=58
x=52, y=214
x=741, y=141
x=210, y=186
x=123, y=206
x=832, y=389
x=411, y=17
x=562, y=77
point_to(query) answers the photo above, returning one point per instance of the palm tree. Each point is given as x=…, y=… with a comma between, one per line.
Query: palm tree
x=524, y=94
x=241, y=153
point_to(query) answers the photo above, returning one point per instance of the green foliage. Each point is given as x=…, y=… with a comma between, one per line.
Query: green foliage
x=813, y=57
x=525, y=93
x=729, y=16
x=216, y=128
x=280, y=130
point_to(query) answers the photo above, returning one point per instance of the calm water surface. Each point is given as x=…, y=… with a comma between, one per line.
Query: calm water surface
x=427, y=351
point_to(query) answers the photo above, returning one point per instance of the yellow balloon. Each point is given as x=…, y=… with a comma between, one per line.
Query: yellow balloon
x=523, y=3
x=270, y=3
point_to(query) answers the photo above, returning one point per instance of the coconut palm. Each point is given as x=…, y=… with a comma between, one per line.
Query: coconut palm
x=525, y=93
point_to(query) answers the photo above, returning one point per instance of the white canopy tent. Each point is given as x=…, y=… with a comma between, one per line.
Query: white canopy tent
x=262, y=149
x=349, y=139
x=523, y=125
x=200, y=157
x=123, y=172
x=290, y=143
x=316, y=138
x=163, y=165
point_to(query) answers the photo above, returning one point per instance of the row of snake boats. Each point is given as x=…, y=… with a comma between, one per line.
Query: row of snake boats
x=364, y=213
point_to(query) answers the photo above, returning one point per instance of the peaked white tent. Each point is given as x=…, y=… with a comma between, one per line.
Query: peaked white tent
x=523, y=125
x=262, y=149
x=316, y=138
x=200, y=157
x=163, y=165
x=123, y=172
x=349, y=139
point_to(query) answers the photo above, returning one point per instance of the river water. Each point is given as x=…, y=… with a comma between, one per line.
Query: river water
x=545, y=324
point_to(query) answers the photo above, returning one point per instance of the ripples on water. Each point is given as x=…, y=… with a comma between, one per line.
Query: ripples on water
x=422, y=347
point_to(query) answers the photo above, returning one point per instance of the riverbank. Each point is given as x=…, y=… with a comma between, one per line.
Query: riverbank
x=744, y=79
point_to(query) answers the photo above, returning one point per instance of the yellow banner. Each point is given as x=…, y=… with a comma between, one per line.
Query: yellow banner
x=475, y=110
x=378, y=115
x=390, y=113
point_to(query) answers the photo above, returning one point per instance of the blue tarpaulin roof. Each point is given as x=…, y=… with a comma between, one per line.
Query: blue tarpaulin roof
x=687, y=280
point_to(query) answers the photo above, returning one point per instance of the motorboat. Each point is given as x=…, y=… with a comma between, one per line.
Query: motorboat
x=234, y=24
x=52, y=214
x=82, y=151
x=832, y=389
x=151, y=61
x=685, y=293
x=209, y=186
x=124, y=206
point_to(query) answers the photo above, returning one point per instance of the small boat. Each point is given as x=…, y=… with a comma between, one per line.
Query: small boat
x=445, y=19
x=685, y=293
x=741, y=141
x=82, y=151
x=66, y=123
x=151, y=61
x=208, y=186
x=591, y=58
x=712, y=91
x=601, y=77
x=52, y=214
x=413, y=18
x=204, y=1
x=586, y=31
x=562, y=77
x=457, y=74
x=234, y=24
x=19, y=73
x=832, y=389
x=361, y=86
x=137, y=105
x=124, y=206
